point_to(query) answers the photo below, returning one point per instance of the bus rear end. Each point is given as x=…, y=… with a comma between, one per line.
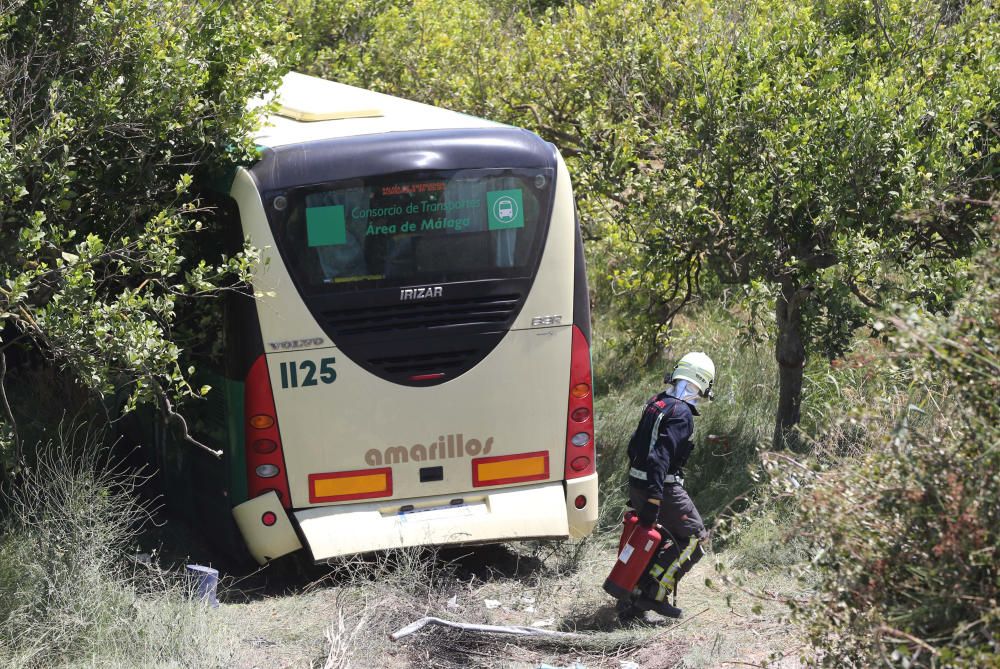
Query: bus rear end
x=425, y=374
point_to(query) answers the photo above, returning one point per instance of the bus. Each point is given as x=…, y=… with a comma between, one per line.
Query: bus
x=414, y=368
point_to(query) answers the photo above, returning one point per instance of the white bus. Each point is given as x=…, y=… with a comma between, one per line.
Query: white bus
x=416, y=367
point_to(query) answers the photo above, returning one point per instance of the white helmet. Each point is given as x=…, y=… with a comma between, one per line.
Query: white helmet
x=696, y=368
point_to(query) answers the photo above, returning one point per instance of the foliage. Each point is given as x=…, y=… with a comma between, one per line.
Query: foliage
x=97, y=246
x=905, y=541
x=785, y=147
x=784, y=140
x=72, y=591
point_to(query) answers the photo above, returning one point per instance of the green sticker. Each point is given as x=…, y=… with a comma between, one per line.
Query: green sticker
x=325, y=226
x=506, y=209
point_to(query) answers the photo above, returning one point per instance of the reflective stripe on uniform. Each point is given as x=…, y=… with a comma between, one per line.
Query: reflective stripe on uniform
x=643, y=476
x=655, y=433
x=667, y=582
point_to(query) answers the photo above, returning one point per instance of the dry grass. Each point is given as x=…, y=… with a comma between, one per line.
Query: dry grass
x=345, y=620
x=143, y=616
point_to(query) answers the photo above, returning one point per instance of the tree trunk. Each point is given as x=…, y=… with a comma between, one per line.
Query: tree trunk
x=790, y=353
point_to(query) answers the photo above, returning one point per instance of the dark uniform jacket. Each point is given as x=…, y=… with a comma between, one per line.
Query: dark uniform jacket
x=653, y=457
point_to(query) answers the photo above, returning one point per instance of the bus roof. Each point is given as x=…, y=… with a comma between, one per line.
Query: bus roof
x=314, y=109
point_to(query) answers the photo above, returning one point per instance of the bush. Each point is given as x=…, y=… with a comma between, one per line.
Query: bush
x=72, y=590
x=97, y=163
x=906, y=541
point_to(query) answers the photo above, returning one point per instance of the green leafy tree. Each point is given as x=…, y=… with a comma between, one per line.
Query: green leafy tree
x=824, y=156
x=786, y=144
x=906, y=541
x=110, y=110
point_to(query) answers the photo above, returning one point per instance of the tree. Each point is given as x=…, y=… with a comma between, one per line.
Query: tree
x=784, y=147
x=907, y=539
x=110, y=110
x=787, y=143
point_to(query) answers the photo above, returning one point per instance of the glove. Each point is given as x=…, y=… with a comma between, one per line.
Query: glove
x=648, y=513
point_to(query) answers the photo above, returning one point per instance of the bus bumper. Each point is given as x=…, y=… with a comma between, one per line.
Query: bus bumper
x=582, y=521
x=526, y=512
x=266, y=542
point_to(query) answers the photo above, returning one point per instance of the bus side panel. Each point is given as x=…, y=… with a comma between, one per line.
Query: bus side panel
x=552, y=291
x=283, y=316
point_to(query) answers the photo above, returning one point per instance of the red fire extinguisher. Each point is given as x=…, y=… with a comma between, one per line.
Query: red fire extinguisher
x=636, y=548
x=631, y=518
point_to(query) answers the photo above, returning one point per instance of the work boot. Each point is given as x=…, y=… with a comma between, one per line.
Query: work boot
x=663, y=608
x=627, y=613
x=666, y=610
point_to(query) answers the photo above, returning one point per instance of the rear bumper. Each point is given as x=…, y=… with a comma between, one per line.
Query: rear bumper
x=582, y=521
x=527, y=512
x=518, y=513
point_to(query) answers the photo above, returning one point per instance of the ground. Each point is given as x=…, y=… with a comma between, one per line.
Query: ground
x=343, y=617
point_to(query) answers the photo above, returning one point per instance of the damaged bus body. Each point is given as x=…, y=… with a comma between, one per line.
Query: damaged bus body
x=416, y=367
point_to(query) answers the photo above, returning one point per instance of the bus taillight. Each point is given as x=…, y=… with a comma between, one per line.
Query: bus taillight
x=265, y=460
x=580, y=416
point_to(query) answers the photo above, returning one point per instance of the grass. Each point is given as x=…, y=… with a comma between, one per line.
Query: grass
x=73, y=594
x=727, y=434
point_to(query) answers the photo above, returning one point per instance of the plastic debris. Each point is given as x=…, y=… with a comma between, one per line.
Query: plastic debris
x=491, y=603
x=488, y=629
x=206, y=583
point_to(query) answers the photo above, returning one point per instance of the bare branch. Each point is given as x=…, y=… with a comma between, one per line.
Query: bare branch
x=3, y=395
x=488, y=629
x=177, y=419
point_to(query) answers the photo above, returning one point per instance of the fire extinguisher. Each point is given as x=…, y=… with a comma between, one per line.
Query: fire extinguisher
x=637, y=547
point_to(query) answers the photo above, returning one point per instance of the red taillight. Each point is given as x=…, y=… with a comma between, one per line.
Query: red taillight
x=264, y=446
x=580, y=501
x=580, y=416
x=269, y=518
x=263, y=441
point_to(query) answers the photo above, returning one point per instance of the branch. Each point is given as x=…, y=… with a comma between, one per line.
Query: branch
x=3, y=394
x=867, y=301
x=173, y=416
x=886, y=629
x=488, y=629
x=558, y=134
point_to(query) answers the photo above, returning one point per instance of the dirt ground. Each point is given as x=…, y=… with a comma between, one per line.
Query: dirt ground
x=344, y=618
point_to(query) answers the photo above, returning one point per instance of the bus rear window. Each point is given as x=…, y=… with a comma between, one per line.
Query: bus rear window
x=434, y=227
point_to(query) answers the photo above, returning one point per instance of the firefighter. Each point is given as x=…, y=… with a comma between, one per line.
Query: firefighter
x=657, y=453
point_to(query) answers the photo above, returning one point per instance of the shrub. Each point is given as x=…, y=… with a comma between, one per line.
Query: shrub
x=97, y=163
x=72, y=590
x=906, y=541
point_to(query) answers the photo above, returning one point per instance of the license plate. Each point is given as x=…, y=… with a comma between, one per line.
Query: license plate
x=449, y=512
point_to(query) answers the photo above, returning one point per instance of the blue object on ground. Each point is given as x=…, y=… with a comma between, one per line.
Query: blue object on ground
x=206, y=582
